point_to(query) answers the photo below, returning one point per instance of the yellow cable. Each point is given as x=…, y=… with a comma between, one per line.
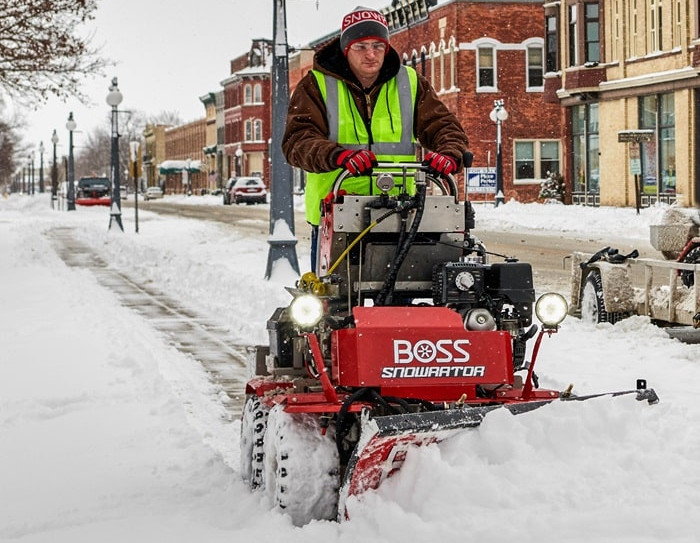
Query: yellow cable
x=349, y=247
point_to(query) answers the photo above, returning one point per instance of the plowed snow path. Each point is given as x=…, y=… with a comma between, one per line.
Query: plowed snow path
x=188, y=332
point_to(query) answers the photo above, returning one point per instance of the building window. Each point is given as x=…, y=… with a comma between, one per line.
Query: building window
x=677, y=8
x=422, y=62
x=552, y=43
x=633, y=26
x=654, y=25
x=442, y=64
x=617, y=38
x=257, y=93
x=453, y=61
x=486, y=68
x=534, y=68
x=257, y=130
x=586, y=147
x=657, y=112
x=534, y=159
x=247, y=94
x=573, y=36
x=249, y=130
x=592, y=37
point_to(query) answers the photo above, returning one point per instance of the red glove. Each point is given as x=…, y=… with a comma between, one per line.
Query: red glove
x=356, y=162
x=441, y=164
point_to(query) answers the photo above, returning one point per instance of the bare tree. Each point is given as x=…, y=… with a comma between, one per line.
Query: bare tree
x=41, y=52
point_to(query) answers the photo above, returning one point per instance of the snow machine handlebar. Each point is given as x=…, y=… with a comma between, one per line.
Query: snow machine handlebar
x=384, y=180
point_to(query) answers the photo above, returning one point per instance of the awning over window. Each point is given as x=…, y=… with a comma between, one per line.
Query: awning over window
x=178, y=166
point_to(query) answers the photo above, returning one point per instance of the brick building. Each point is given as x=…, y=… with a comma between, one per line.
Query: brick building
x=247, y=113
x=153, y=153
x=186, y=143
x=211, y=147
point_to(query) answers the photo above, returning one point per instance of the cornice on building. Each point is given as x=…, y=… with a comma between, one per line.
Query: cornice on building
x=655, y=78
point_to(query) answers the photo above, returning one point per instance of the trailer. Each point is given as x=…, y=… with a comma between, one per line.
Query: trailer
x=608, y=286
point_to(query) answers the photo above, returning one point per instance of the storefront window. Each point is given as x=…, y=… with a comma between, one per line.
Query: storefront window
x=657, y=112
x=586, y=147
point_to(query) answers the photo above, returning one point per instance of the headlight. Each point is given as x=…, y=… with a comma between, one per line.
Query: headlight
x=551, y=309
x=306, y=310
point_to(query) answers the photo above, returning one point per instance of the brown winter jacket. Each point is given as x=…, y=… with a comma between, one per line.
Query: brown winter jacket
x=306, y=144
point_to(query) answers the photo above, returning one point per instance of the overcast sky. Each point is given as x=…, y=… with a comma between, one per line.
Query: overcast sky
x=168, y=53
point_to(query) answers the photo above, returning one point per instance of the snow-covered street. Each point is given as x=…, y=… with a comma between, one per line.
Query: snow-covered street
x=108, y=433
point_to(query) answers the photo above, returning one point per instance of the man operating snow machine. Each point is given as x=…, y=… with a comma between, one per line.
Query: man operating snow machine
x=407, y=335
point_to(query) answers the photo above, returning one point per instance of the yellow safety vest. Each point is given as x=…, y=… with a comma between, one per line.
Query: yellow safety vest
x=391, y=126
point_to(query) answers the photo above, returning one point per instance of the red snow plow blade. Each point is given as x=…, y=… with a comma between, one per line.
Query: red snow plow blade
x=384, y=441
x=92, y=201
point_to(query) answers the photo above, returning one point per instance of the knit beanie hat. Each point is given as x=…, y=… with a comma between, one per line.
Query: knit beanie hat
x=361, y=24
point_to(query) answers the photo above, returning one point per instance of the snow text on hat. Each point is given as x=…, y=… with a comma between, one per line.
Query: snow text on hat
x=361, y=24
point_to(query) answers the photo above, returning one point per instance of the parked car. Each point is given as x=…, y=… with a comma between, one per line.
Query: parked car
x=250, y=190
x=227, y=189
x=153, y=193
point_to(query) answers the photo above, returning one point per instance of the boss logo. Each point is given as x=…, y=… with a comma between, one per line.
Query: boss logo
x=442, y=351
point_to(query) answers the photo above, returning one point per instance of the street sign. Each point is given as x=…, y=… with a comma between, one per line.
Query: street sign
x=481, y=180
x=635, y=160
x=635, y=136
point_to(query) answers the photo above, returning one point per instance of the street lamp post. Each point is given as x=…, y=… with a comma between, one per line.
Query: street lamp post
x=134, y=146
x=41, y=167
x=498, y=115
x=114, y=98
x=71, y=125
x=32, y=156
x=239, y=161
x=54, y=170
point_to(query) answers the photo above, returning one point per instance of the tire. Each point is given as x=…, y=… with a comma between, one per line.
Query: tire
x=301, y=466
x=253, y=428
x=592, y=301
x=691, y=257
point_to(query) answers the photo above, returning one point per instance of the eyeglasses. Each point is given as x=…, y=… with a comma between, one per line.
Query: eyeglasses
x=377, y=47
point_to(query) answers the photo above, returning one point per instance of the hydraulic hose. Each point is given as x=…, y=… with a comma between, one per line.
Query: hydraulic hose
x=387, y=291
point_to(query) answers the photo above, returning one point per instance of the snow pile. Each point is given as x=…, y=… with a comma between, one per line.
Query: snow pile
x=108, y=433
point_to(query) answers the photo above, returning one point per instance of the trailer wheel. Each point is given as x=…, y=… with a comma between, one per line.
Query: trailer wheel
x=592, y=305
x=253, y=427
x=691, y=257
x=301, y=466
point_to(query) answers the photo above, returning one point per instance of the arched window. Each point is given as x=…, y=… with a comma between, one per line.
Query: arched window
x=247, y=94
x=249, y=130
x=452, y=46
x=257, y=130
x=535, y=67
x=442, y=65
x=432, y=64
x=486, y=68
x=257, y=93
